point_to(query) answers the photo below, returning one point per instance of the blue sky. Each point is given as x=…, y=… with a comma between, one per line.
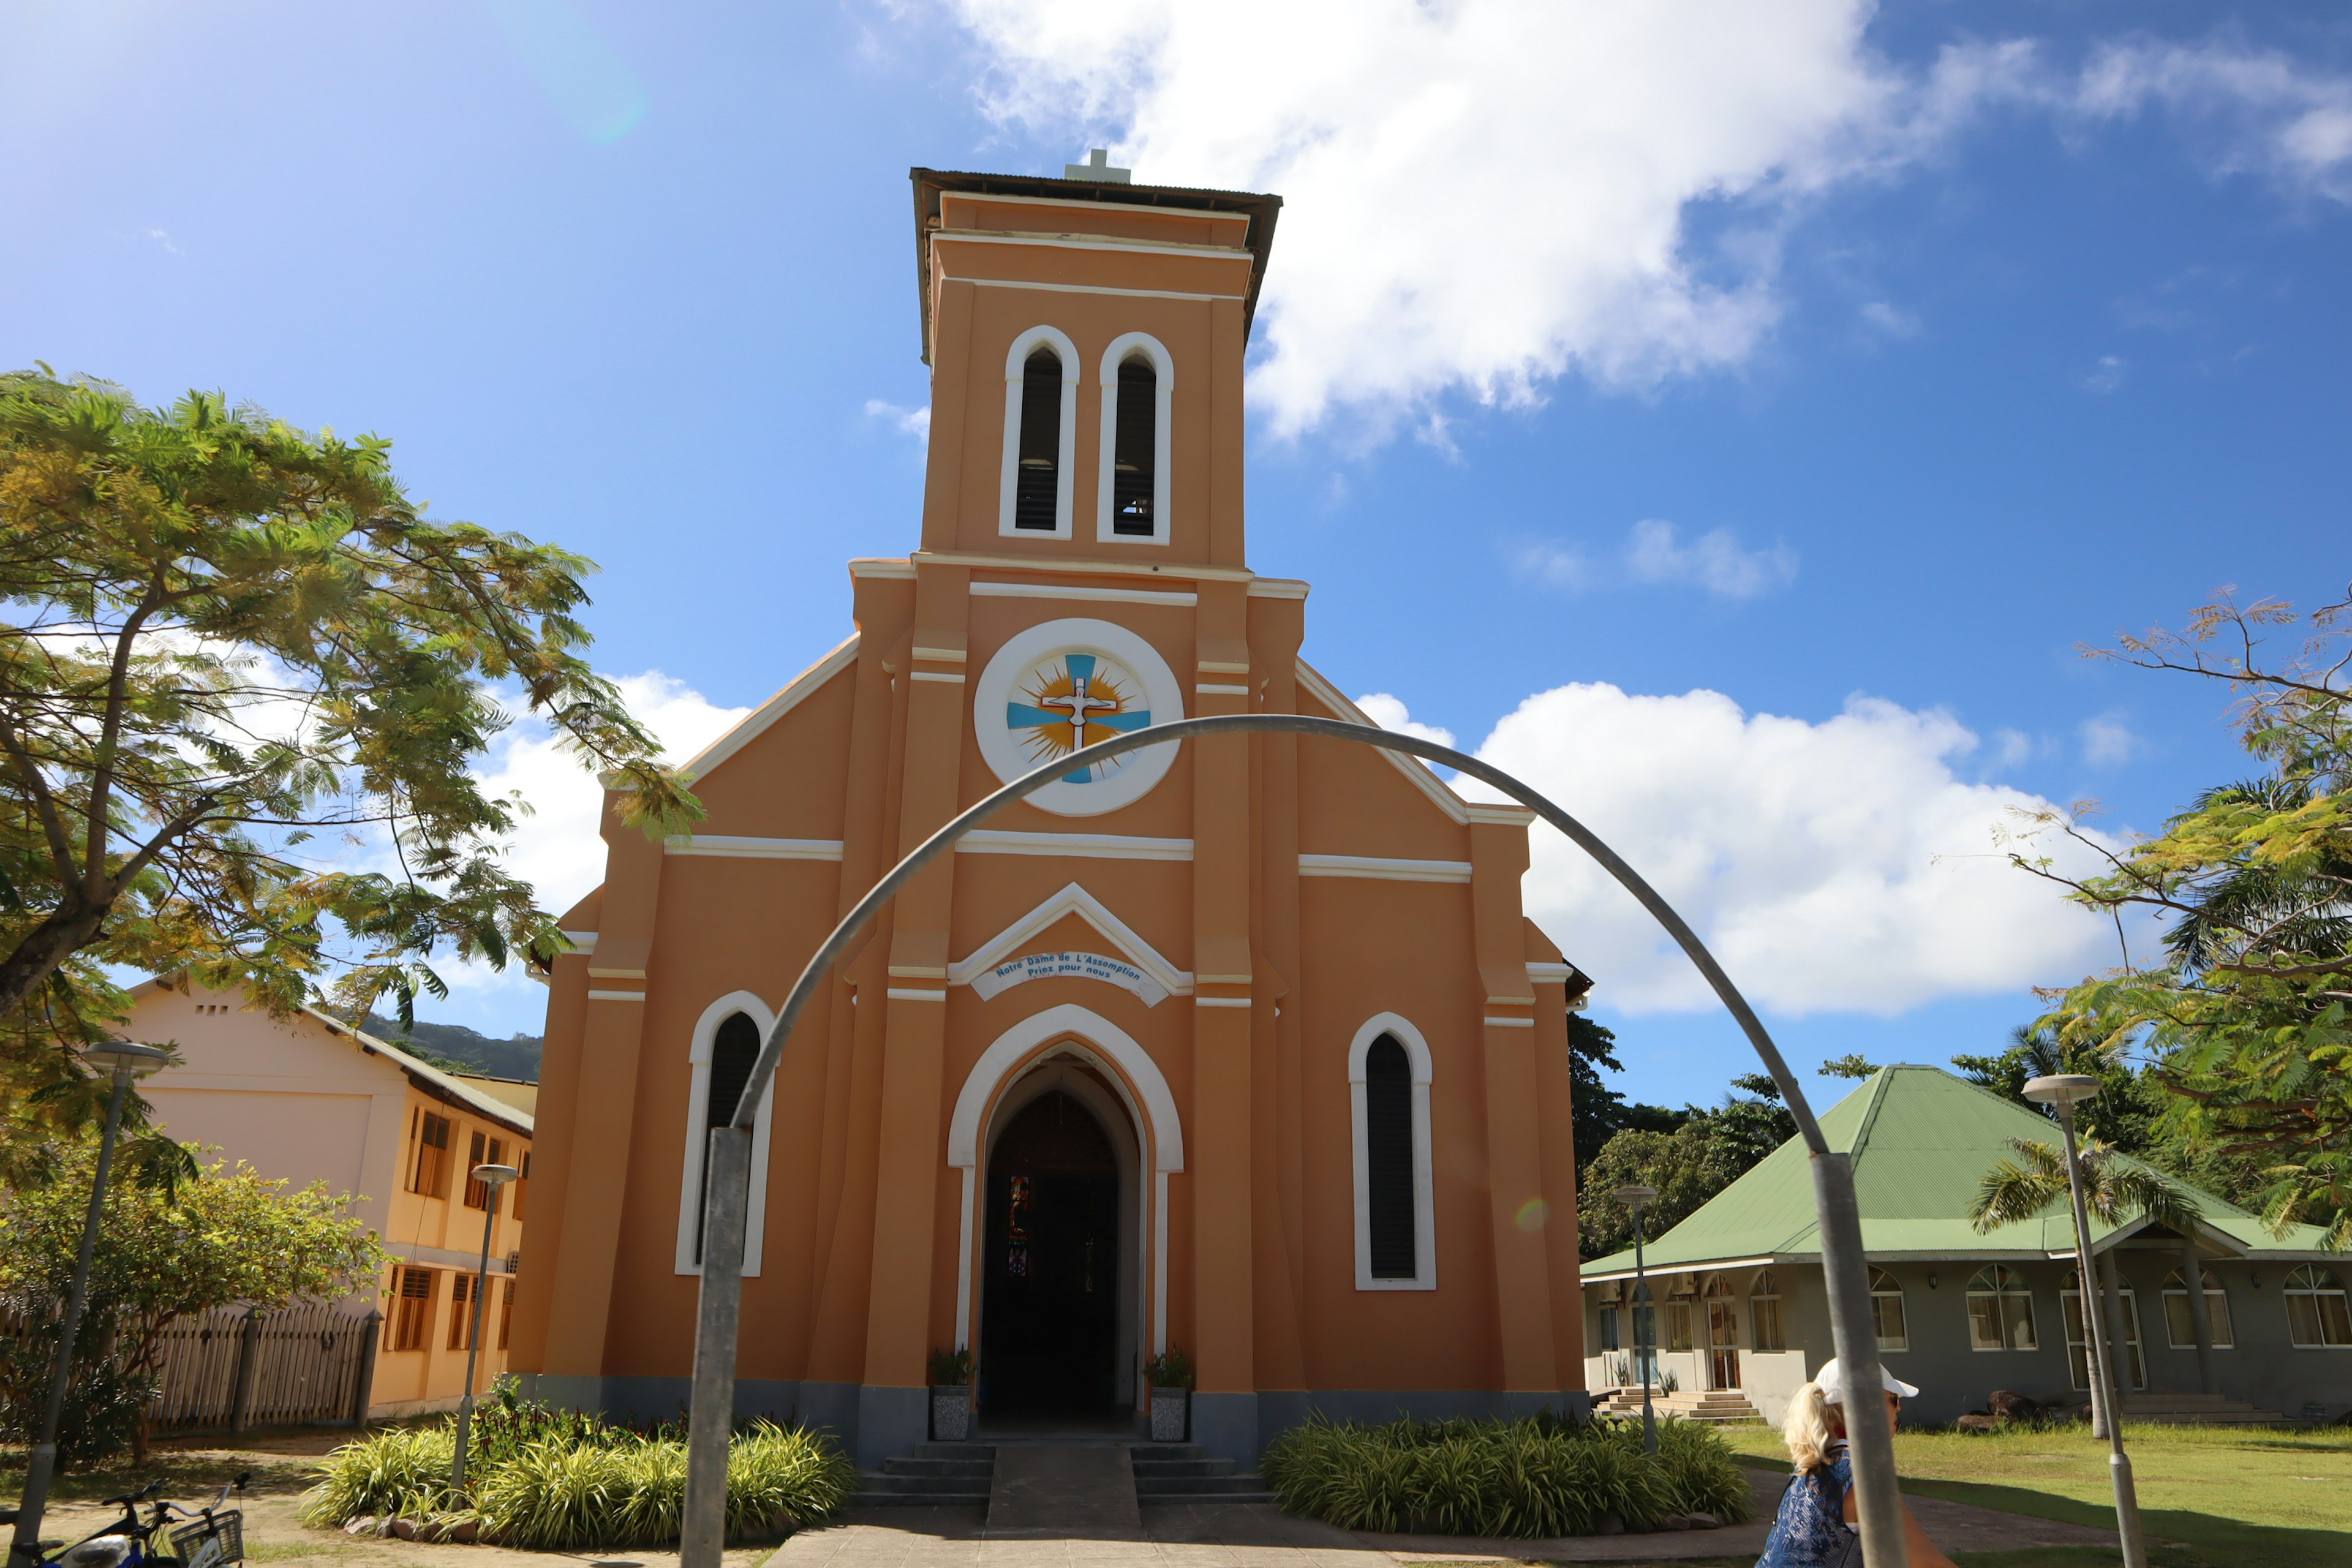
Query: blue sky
x=1855, y=372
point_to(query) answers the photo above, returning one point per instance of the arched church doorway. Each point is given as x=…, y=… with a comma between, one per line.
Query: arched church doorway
x=1051, y=1269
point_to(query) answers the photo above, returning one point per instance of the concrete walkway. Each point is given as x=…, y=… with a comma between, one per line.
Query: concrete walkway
x=1256, y=1535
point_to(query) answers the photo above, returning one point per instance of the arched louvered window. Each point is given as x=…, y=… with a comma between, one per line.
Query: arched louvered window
x=1388, y=1153
x=1389, y=1073
x=725, y=1045
x=1041, y=391
x=1136, y=451
x=733, y=1049
x=1037, y=494
x=1137, y=383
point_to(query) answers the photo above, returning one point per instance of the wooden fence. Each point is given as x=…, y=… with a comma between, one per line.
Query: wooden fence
x=231, y=1368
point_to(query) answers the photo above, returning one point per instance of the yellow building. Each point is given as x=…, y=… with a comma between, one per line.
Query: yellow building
x=306, y=1098
x=1240, y=1047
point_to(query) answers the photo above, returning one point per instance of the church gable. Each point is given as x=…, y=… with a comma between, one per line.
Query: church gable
x=1067, y=927
x=781, y=773
x=1368, y=802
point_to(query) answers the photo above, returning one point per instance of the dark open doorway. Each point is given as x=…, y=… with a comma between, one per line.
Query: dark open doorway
x=1049, y=1303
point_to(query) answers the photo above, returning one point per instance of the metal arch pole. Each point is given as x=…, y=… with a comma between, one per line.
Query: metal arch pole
x=1878, y=1502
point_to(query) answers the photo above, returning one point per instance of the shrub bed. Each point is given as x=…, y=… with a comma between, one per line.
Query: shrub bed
x=555, y=1482
x=1538, y=1477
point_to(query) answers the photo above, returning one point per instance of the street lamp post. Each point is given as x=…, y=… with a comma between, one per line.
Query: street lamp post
x=2063, y=1091
x=1644, y=1353
x=124, y=1061
x=493, y=1177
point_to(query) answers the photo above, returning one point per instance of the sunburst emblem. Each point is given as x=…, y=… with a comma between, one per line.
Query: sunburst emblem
x=1071, y=701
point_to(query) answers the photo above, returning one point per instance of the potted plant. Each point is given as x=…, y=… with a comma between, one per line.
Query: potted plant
x=951, y=1395
x=1170, y=1377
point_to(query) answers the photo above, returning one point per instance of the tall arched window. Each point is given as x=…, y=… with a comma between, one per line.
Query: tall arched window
x=2127, y=1356
x=2318, y=1312
x=1764, y=1312
x=725, y=1043
x=1037, y=488
x=1886, y=1315
x=2182, y=1327
x=2001, y=1311
x=1041, y=391
x=1137, y=383
x=1387, y=1151
x=1389, y=1072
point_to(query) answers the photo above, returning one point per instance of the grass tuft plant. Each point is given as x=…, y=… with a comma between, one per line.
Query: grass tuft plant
x=1520, y=1479
x=554, y=1482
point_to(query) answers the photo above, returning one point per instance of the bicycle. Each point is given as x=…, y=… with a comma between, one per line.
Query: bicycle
x=210, y=1537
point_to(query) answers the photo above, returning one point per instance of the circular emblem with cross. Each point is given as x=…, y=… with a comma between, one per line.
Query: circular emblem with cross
x=1055, y=688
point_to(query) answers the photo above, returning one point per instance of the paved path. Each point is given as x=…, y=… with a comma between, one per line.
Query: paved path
x=1257, y=1535
x=1085, y=1491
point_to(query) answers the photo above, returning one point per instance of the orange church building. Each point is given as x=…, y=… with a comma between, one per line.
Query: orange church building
x=1240, y=1047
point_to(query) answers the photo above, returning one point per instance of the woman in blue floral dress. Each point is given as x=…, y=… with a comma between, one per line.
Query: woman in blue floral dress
x=1816, y=1525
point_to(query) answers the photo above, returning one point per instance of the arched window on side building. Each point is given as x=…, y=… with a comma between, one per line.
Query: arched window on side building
x=1389, y=1074
x=2318, y=1311
x=1886, y=1315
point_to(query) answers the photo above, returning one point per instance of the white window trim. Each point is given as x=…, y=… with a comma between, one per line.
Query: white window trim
x=1122, y=348
x=1009, y=482
x=1424, y=1205
x=706, y=1031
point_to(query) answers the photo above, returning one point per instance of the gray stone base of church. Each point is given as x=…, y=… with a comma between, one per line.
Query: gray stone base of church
x=874, y=1423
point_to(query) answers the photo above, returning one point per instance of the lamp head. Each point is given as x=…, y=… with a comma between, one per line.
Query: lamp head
x=2062, y=1089
x=495, y=1176
x=126, y=1056
x=1636, y=1197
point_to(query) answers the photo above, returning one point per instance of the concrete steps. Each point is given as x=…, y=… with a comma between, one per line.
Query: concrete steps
x=1181, y=1472
x=934, y=1475
x=2196, y=1410
x=1714, y=1407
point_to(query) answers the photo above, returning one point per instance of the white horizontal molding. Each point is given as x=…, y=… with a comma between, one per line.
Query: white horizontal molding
x=1278, y=588
x=943, y=655
x=1058, y=242
x=1206, y=689
x=910, y=993
x=1511, y=1023
x=1383, y=868
x=1221, y=1001
x=1501, y=815
x=581, y=940
x=616, y=995
x=953, y=678
x=1549, y=973
x=1081, y=845
x=1099, y=288
x=739, y=848
x=1079, y=591
x=881, y=566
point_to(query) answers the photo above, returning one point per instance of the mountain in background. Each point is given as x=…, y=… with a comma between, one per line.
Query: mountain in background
x=456, y=1048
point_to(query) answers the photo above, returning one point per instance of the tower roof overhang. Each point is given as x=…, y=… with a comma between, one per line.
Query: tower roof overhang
x=1262, y=210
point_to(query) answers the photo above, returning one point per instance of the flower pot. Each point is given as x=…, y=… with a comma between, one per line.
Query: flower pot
x=951, y=1412
x=1172, y=1411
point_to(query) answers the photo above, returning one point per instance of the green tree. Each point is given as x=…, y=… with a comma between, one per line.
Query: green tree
x=1855, y=1065
x=236, y=653
x=2113, y=1188
x=230, y=1236
x=1599, y=1112
x=1688, y=1163
x=2242, y=1015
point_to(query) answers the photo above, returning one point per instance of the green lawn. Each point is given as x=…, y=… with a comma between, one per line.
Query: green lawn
x=2226, y=1497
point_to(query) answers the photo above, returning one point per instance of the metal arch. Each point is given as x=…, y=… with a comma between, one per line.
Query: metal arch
x=718, y=1315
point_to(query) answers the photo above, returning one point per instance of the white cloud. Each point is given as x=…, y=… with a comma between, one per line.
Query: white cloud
x=1842, y=865
x=2107, y=741
x=1891, y=320
x=1484, y=195
x=1555, y=565
x=1390, y=713
x=914, y=422
x=557, y=848
x=1715, y=560
x=2106, y=375
x=2256, y=110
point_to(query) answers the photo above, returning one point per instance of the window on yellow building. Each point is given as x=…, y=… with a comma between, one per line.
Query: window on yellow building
x=487, y=1151
x=461, y=1311
x=412, y=1314
x=430, y=1175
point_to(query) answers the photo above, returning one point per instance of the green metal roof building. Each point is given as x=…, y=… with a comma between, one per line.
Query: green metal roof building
x=1741, y=1313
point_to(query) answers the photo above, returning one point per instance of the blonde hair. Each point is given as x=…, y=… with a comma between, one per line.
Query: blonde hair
x=1814, y=1422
